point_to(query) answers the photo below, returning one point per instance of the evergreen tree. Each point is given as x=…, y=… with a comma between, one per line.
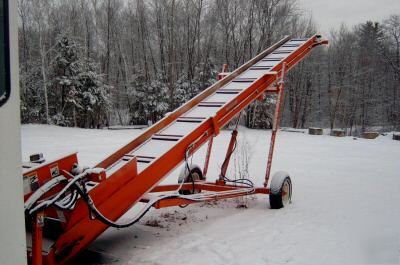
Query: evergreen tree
x=149, y=100
x=78, y=91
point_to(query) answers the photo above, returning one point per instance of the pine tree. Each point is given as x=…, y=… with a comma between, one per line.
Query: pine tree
x=78, y=91
x=149, y=100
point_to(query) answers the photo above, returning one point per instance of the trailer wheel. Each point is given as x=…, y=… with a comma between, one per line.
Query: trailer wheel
x=195, y=175
x=280, y=190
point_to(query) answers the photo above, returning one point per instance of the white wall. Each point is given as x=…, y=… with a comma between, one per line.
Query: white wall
x=12, y=228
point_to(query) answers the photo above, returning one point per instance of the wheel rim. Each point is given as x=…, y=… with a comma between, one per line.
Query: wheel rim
x=195, y=176
x=286, y=192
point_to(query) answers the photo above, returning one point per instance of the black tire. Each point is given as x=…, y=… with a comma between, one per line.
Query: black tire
x=195, y=175
x=280, y=190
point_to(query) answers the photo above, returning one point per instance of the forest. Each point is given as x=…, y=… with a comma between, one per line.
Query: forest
x=96, y=63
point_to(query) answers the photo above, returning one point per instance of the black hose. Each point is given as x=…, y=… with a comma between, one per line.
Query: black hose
x=92, y=209
x=68, y=205
x=45, y=204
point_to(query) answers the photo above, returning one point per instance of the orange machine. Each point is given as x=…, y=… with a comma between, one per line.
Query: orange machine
x=67, y=207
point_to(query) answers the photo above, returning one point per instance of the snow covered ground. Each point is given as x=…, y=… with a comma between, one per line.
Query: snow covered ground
x=345, y=206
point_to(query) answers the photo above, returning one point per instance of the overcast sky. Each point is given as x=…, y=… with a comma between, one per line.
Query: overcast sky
x=331, y=13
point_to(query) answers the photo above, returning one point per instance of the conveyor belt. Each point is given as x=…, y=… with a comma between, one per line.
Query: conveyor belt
x=164, y=139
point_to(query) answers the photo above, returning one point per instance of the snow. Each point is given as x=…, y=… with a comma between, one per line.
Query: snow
x=345, y=203
x=180, y=128
x=202, y=112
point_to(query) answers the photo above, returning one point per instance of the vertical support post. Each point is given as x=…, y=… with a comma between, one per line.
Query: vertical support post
x=37, y=238
x=275, y=126
x=229, y=151
x=208, y=154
